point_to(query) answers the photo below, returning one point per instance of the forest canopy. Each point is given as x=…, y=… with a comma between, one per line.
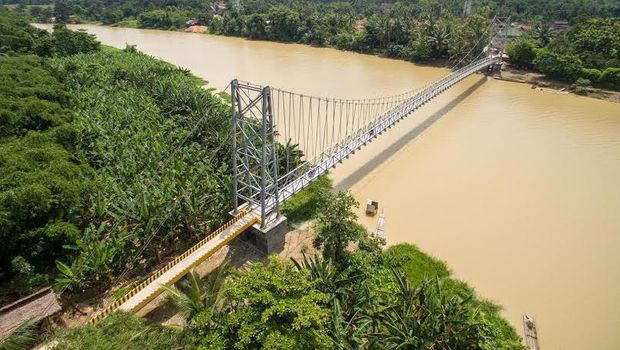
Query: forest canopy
x=88, y=135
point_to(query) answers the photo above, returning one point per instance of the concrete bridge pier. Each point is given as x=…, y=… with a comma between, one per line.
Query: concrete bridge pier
x=269, y=239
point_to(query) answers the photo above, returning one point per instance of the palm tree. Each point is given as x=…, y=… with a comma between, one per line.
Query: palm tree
x=426, y=318
x=197, y=295
x=20, y=339
x=289, y=157
x=351, y=303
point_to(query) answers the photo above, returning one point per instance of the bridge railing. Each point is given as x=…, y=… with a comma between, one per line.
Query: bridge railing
x=370, y=131
x=153, y=276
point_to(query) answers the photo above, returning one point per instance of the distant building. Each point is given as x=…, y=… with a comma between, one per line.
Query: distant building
x=37, y=307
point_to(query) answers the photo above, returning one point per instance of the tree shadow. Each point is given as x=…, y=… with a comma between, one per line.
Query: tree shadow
x=376, y=161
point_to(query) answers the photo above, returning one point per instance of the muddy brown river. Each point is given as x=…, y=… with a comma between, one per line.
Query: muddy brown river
x=518, y=190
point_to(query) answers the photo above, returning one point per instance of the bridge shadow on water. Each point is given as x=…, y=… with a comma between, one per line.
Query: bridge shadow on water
x=373, y=163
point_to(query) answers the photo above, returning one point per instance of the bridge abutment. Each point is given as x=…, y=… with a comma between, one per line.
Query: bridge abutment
x=269, y=239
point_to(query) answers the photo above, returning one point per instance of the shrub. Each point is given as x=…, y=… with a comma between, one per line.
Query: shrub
x=581, y=82
x=560, y=66
x=522, y=52
x=591, y=74
x=119, y=331
x=611, y=78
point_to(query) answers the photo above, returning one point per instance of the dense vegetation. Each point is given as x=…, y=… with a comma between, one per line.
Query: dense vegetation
x=107, y=158
x=349, y=295
x=588, y=53
x=44, y=188
x=120, y=331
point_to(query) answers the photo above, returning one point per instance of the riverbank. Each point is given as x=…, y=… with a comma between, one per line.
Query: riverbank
x=509, y=72
x=540, y=82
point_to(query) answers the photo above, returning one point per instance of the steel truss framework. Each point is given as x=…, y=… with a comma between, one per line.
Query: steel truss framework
x=255, y=170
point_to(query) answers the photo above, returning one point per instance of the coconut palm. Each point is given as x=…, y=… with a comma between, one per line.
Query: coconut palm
x=197, y=294
x=20, y=339
x=425, y=317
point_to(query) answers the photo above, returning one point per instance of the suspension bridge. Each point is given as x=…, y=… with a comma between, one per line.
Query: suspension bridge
x=283, y=141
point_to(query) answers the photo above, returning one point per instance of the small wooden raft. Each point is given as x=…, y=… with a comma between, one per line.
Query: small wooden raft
x=381, y=226
x=531, y=336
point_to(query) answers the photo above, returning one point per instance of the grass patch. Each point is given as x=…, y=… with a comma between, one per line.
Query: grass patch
x=416, y=264
x=121, y=292
x=120, y=331
x=306, y=204
x=128, y=23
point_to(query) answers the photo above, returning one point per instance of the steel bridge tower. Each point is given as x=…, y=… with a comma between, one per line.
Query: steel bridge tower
x=255, y=163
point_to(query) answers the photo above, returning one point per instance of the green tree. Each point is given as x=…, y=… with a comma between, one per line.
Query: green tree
x=284, y=24
x=522, y=52
x=62, y=11
x=256, y=26
x=68, y=42
x=597, y=42
x=425, y=317
x=112, y=15
x=337, y=228
x=270, y=307
x=198, y=295
x=560, y=66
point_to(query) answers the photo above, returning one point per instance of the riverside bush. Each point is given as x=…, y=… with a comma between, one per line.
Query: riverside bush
x=610, y=78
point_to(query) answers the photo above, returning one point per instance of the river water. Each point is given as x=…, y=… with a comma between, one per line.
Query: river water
x=517, y=190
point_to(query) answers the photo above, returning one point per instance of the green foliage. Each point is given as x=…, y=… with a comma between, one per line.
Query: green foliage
x=611, y=78
x=591, y=74
x=119, y=331
x=417, y=265
x=581, y=82
x=308, y=203
x=419, y=268
x=31, y=98
x=116, y=143
x=198, y=295
x=62, y=11
x=68, y=42
x=586, y=51
x=22, y=338
x=424, y=317
x=270, y=307
x=522, y=52
x=164, y=19
x=102, y=251
x=597, y=42
x=44, y=188
x=18, y=36
x=155, y=137
x=336, y=228
x=560, y=66
x=42, y=198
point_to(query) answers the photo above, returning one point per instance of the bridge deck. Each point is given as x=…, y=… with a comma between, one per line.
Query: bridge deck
x=173, y=271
